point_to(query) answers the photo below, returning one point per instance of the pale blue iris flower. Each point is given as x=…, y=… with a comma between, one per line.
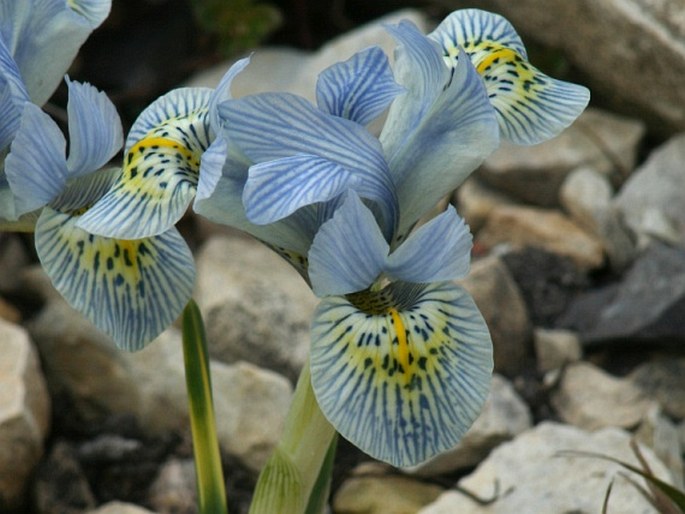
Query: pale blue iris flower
x=38, y=42
x=130, y=289
x=401, y=358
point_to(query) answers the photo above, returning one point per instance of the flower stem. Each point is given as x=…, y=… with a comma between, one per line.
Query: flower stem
x=210, y=479
x=298, y=462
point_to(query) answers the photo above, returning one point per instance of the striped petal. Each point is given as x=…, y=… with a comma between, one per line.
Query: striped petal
x=160, y=173
x=276, y=189
x=95, y=132
x=36, y=165
x=439, y=250
x=404, y=377
x=440, y=131
x=211, y=165
x=44, y=37
x=190, y=103
x=272, y=126
x=13, y=96
x=131, y=290
x=223, y=92
x=359, y=89
x=348, y=251
x=531, y=106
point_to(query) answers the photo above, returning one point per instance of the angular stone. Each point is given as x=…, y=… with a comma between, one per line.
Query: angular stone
x=256, y=307
x=653, y=200
x=646, y=38
x=383, y=495
x=589, y=398
x=646, y=305
x=555, y=347
x=545, y=228
x=661, y=435
x=587, y=197
x=663, y=380
x=475, y=201
x=598, y=140
x=24, y=414
x=504, y=416
x=499, y=300
x=530, y=474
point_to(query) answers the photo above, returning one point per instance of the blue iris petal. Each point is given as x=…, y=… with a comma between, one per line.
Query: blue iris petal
x=359, y=89
x=439, y=131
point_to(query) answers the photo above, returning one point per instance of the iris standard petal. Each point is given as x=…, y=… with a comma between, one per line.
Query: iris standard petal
x=95, y=132
x=44, y=36
x=272, y=126
x=276, y=189
x=440, y=131
x=404, y=377
x=223, y=92
x=531, y=106
x=359, y=89
x=36, y=165
x=437, y=251
x=131, y=290
x=348, y=251
x=211, y=165
x=13, y=96
x=160, y=173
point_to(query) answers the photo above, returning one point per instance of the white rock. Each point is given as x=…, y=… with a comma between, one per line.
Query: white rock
x=590, y=398
x=117, y=507
x=256, y=307
x=555, y=348
x=24, y=413
x=504, y=416
x=530, y=475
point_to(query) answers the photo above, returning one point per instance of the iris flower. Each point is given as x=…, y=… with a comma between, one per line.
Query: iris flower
x=130, y=289
x=401, y=357
x=38, y=42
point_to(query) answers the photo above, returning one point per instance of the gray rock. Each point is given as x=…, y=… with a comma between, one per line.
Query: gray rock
x=255, y=306
x=24, y=414
x=548, y=229
x=663, y=380
x=504, y=416
x=661, y=435
x=529, y=474
x=646, y=305
x=587, y=196
x=500, y=301
x=638, y=66
x=589, y=398
x=653, y=200
x=598, y=140
x=555, y=348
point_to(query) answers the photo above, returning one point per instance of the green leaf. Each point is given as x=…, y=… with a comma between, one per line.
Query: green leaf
x=210, y=479
x=322, y=486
